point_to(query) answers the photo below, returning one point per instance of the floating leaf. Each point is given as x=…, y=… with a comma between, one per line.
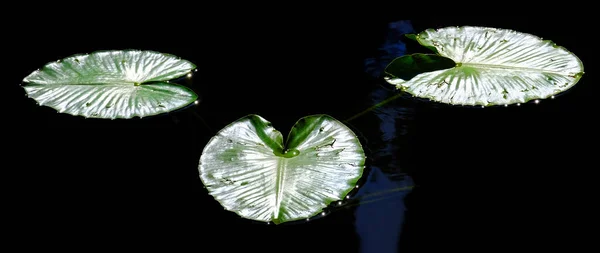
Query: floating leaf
x=250, y=172
x=493, y=67
x=408, y=66
x=112, y=84
x=411, y=36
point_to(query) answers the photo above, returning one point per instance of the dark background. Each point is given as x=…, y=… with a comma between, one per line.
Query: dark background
x=485, y=179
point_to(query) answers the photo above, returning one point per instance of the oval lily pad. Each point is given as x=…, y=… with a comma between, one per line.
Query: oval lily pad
x=112, y=84
x=493, y=67
x=249, y=171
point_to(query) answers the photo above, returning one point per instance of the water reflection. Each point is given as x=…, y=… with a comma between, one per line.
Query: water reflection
x=391, y=48
x=380, y=215
x=379, y=218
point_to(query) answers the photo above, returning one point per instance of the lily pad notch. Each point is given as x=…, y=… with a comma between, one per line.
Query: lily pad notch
x=112, y=84
x=493, y=67
x=249, y=171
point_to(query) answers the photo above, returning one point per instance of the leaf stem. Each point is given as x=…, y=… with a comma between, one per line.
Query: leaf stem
x=390, y=99
x=374, y=197
x=203, y=121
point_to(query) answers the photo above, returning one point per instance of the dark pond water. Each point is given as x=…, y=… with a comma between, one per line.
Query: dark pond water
x=475, y=179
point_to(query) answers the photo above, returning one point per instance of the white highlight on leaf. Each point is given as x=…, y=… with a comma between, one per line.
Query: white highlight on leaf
x=494, y=67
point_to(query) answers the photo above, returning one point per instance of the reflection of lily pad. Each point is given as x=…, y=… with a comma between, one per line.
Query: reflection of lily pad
x=493, y=66
x=250, y=172
x=112, y=84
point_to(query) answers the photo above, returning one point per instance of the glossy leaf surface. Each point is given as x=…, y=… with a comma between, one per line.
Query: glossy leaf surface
x=493, y=67
x=249, y=171
x=112, y=84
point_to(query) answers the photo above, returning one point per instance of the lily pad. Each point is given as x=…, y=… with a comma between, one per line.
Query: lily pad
x=408, y=66
x=493, y=67
x=112, y=84
x=249, y=171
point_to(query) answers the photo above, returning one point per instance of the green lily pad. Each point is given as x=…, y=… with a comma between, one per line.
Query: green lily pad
x=493, y=67
x=249, y=171
x=408, y=66
x=112, y=84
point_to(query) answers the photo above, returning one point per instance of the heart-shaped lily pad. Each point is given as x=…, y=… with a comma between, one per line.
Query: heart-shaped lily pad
x=493, y=67
x=248, y=169
x=112, y=84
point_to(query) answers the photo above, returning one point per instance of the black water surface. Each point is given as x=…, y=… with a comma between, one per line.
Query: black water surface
x=482, y=179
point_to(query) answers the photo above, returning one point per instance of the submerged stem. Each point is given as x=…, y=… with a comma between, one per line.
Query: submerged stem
x=387, y=191
x=203, y=121
x=390, y=99
x=376, y=196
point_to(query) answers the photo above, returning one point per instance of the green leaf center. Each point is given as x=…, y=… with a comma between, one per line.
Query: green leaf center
x=288, y=153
